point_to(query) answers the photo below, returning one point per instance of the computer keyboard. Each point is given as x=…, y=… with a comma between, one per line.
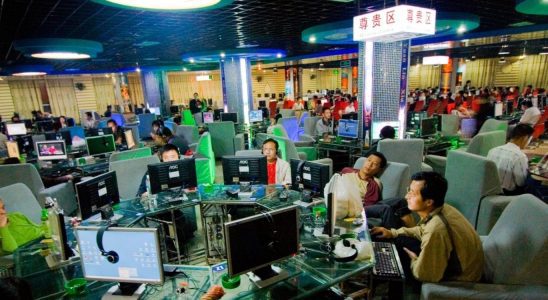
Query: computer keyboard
x=439, y=146
x=388, y=263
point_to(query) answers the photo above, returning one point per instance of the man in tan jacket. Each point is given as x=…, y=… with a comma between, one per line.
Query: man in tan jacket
x=450, y=248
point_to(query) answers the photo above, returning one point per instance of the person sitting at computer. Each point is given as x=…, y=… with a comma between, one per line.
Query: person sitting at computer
x=15, y=230
x=117, y=131
x=108, y=112
x=531, y=114
x=279, y=171
x=168, y=152
x=165, y=136
x=273, y=122
x=325, y=124
x=61, y=123
x=512, y=163
x=443, y=245
x=89, y=122
x=387, y=132
x=156, y=125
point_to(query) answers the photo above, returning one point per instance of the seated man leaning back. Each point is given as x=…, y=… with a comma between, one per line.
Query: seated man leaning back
x=15, y=230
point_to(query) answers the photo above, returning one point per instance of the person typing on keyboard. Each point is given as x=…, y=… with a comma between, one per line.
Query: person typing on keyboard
x=443, y=245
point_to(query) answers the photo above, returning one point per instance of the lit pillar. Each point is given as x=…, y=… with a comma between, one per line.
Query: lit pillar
x=236, y=84
x=156, y=91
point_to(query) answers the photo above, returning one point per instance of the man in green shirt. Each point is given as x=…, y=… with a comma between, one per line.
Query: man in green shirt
x=16, y=230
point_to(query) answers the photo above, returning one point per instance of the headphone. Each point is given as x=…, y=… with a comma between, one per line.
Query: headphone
x=350, y=258
x=112, y=256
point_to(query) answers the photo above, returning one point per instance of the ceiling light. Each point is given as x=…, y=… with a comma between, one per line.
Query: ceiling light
x=29, y=74
x=502, y=60
x=185, y=69
x=504, y=52
x=60, y=55
x=435, y=60
x=137, y=69
x=461, y=29
x=312, y=39
x=278, y=55
x=223, y=54
x=191, y=60
x=166, y=4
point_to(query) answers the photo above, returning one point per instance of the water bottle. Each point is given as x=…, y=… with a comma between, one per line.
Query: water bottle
x=45, y=224
x=148, y=184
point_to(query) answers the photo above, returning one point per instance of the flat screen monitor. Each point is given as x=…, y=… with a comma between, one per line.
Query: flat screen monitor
x=348, y=129
x=256, y=242
x=174, y=109
x=59, y=235
x=100, y=144
x=51, y=150
x=173, y=174
x=250, y=169
x=376, y=128
x=350, y=116
x=498, y=109
x=217, y=114
x=136, y=251
x=208, y=116
x=28, y=123
x=16, y=129
x=255, y=116
x=262, y=103
x=98, y=131
x=45, y=125
x=428, y=127
x=230, y=117
x=139, y=111
x=308, y=176
x=130, y=141
x=59, y=136
x=25, y=144
x=97, y=193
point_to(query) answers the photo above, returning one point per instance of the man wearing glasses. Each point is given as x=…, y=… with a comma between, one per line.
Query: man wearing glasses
x=443, y=245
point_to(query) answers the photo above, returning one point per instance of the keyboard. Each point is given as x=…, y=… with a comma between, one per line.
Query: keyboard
x=439, y=146
x=388, y=265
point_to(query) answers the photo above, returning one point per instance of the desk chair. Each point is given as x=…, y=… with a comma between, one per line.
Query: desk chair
x=224, y=138
x=291, y=130
x=189, y=133
x=130, y=172
x=449, y=125
x=395, y=178
x=515, y=258
x=18, y=197
x=432, y=107
x=310, y=127
x=188, y=118
x=145, y=125
x=286, y=113
x=408, y=151
x=205, y=160
x=493, y=125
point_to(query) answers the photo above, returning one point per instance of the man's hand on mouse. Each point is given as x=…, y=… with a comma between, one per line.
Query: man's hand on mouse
x=381, y=232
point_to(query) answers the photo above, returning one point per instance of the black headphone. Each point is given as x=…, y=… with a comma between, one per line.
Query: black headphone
x=112, y=256
x=350, y=258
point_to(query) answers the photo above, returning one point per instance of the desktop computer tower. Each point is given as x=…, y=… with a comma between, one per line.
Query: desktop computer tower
x=213, y=219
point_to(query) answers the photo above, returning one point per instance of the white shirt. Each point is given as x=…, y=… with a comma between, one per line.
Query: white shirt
x=298, y=106
x=511, y=164
x=283, y=172
x=530, y=116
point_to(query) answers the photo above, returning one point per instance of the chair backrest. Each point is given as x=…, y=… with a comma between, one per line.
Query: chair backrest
x=291, y=127
x=222, y=137
x=145, y=124
x=442, y=107
x=449, y=125
x=310, y=125
x=468, y=127
x=470, y=177
x=408, y=151
x=395, y=178
x=516, y=249
x=171, y=125
x=188, y=118
x=287, y=148
x=131, y=154
x=22, y=173
x=493, y=125
x=254, y=152
x=432, y=107
x=129, y=174
x=18, y=197
x=118, y=118
x=304, y=116
x=419, y=105
x=204, y=149
x=286, y=113
x=483, y=142
x=188, y=132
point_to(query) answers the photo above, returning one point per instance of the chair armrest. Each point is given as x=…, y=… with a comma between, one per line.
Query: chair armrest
x=437, y=163
x=239, y=142
x=491, y=207
x=193, y=146
x=307, y=138
x=471, y=290
x=65, y=195
x=303, y=143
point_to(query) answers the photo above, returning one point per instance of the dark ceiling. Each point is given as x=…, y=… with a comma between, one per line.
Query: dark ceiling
x=266, y=23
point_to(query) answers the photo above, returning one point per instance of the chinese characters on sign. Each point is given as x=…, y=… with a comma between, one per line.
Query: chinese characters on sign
x=397, y=23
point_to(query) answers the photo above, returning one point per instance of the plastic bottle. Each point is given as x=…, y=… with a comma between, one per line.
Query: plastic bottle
x=148, y=184
x=45, y=224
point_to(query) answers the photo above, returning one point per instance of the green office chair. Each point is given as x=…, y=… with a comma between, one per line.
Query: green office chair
x=205, y=160
x=188, y=118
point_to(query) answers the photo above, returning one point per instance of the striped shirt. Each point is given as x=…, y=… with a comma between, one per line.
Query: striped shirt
x=511, y=164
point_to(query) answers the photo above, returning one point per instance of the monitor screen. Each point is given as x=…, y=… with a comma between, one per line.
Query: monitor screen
x=309, y=176
x=217, y=114
x=100, y=144
x=376, y=128
x=274, y=235
x=174, y=109
x=25, y=144
x=208, y=117
x=255, y=116
x=98, y=131
x=96, y=193
x=428, y=127
x=139, y=111
x=59, y=136
x=251, y=169
x=348, y=129
x=43, y=126
x=173, y=174
x=262, y=103
x=51, y=150
x=138, y=251
x=16, y=129
x=230, y=117
x=59, y=235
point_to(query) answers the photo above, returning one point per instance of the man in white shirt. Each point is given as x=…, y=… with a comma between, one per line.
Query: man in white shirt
x=511, y=161
x=531, y=114
x=279, y=171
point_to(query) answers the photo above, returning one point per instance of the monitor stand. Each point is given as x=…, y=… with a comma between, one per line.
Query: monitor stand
x=125, y=291
x=267, y=276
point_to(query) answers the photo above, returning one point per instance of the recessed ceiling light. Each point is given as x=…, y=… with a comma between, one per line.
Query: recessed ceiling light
x=29, y=74
x=312, y=39
x=166, y=4
x=185, y=69
x=278, y=55
x=223, y=54
x=461, y=29
x=504, y=52
x=60, y=55
x=137, y=69
x=191, y=60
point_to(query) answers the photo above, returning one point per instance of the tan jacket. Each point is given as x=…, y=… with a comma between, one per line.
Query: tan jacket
x=283, y=172
x=436, y=246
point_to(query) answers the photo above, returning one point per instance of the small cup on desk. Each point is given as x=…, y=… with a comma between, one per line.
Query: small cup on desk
x=75, y=287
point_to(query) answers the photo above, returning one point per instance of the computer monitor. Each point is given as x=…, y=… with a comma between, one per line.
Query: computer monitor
x=130, y=141
x=25, y=144
x=59, y=235
x=255, y=116
x=100, y=144
x=428, y=127
x=252, y=169
x=262, y=103
x=51, y=150
x=98, y=131
x=174, y=109
x=96, y=194
x=348, y=129
x=230, y=117
x=59, y=136
x=208, y=116
x=131, y=256
x=307, y=175
x=139, y=111
x=350, y=116
x=256, y=242
x=498, y=109
x=376, y=128
x=14, y=129
x=217, y=114
x=45, y=125
x=173, y=174
x=28, y=123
